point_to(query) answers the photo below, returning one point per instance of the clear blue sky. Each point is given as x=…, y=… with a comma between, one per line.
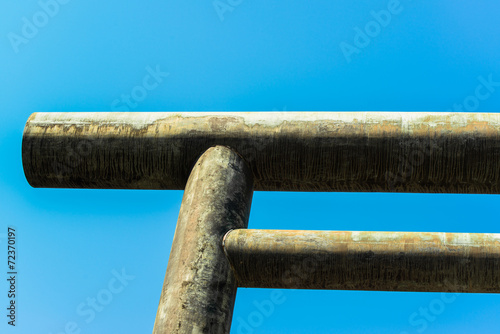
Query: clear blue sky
x=232, y=55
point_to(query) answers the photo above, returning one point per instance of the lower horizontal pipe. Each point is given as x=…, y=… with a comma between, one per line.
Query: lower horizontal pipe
x=384, y=261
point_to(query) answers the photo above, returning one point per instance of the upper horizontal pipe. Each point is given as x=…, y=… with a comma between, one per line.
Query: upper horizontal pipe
x=383, y=261
x=287, y=151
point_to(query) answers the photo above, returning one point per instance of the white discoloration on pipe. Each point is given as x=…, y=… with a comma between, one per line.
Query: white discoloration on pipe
x=140, y=120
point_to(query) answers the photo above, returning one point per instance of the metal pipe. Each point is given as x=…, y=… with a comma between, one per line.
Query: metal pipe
x=199, y=288
x=386, y=261
x=290, y=151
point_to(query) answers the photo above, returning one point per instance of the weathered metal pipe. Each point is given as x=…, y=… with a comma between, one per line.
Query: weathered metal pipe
x=386, y=261
x=199, y=288
x=291, y=151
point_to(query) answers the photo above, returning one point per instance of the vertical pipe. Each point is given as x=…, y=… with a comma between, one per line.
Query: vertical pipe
x=200, y=288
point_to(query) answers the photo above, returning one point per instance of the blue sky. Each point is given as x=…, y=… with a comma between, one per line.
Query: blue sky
x=76, y=246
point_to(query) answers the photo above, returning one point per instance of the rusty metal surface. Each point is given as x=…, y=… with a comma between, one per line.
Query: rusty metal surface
x=386, y=261
x=199, y=288
x=287, y=151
